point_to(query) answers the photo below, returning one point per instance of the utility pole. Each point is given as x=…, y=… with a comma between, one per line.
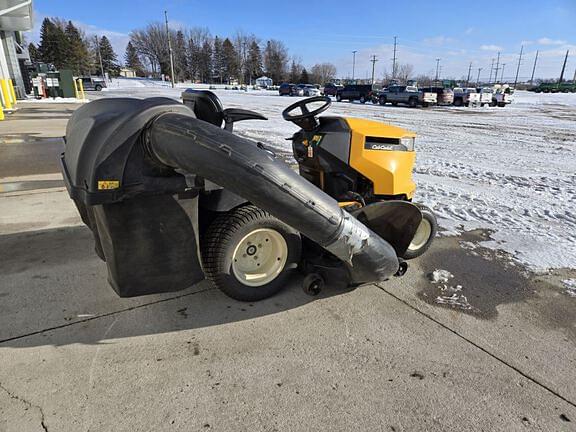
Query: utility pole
x=373, y=60
x=491, y=70
x=100, y=57
x=353, y=63
x=437, y=66
x=497, y=68
x=469, y=70
x=563, y=67
x=518, y=67
x=534, y=68
x=394, y=60
x=478, y=77
x=574, y=78
x=502, y=75
x=170, y=50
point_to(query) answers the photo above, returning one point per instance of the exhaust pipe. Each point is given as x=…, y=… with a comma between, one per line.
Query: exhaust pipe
x=182, y=142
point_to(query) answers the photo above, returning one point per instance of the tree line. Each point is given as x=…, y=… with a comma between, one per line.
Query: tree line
x=65, y=46
x=198, y=56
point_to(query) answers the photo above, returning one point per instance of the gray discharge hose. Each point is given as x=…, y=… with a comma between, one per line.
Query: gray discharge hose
x=237, y=164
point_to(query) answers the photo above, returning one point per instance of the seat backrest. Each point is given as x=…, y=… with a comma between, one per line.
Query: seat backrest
x=205, y=104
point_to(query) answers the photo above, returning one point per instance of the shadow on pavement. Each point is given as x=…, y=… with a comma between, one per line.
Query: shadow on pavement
x=54, y=292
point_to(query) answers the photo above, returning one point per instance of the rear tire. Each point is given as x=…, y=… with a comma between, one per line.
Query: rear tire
x=362, y=100
x=458, y=102
x=249, y=254
x=382, y=101
x=98, y=87
x=413, y=102
x=424, y=235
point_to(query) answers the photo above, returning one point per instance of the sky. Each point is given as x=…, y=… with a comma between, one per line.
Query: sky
x=456, y=32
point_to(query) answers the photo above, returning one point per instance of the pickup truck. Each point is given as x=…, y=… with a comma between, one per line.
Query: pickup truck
x=502, y=95
x=409, y=95
x=486, y=94
x=466, y=96
x=352, y=92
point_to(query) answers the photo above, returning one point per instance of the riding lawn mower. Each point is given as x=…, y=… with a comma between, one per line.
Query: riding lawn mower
x=173, y=196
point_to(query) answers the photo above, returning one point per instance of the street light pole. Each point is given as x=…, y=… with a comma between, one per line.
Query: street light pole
x=353, y=63
x=478, y=77
x=502, y=75
x=170, y=50
x=374, y=60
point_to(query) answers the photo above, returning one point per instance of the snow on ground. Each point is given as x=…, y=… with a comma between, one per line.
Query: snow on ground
x=508, y=170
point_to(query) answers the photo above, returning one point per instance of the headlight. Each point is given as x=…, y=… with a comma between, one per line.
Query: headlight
x=408, y=142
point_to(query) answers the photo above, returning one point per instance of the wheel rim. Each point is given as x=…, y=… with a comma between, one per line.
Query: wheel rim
x=259, y=257
x=422, y=235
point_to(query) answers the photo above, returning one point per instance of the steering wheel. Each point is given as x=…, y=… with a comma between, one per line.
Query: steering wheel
x=307, y=119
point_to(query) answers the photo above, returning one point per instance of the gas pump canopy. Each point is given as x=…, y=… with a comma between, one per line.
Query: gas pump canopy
x=15, y=15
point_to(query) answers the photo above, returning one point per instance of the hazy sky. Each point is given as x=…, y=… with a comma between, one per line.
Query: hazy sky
x=457, y=32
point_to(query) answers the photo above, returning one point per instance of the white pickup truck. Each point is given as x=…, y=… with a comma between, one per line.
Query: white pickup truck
x=466, y=96
x=502, y=95
x=486, y=94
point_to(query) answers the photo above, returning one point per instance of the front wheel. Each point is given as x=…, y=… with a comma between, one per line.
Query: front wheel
x=338, y=98
x=249, y=254
x=382, y=100
x=424, y=234
x=362, y=100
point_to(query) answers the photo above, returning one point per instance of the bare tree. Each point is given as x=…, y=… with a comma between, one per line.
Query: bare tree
x=151, y=43
x=404, y=72
x=276, y=60
x=323, y=73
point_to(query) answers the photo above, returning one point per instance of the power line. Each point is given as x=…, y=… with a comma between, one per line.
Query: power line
x=170, y=50
x=353, y=63
x=497, y=68
x=518, y=67
x=373, y=60
x=534, y=68
x=394, y=60
x=491, y=70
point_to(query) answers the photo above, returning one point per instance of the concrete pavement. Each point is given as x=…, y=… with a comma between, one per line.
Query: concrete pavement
x=75, y=357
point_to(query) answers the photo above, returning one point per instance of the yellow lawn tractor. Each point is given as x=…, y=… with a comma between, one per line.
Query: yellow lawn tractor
x=173, y=196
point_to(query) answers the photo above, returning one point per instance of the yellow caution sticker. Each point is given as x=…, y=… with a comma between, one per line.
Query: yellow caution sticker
x=108, y=184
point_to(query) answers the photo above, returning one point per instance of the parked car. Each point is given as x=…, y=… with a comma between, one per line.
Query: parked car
x=311, y=90
x=444, y=96
x=352, y=92
x=93, y=83
x=502, y=95
x=485, y=95
x=287, y=89
x=331, y=89
x=466, y=96
x=408, y=95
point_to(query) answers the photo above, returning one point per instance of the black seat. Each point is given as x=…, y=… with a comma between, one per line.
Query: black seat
x=205, y=104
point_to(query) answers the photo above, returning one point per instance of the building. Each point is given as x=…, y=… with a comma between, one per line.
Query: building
x=127, y=73
x=15, y=17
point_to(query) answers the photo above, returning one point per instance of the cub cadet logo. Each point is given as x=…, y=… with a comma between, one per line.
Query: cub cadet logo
x=380, y=147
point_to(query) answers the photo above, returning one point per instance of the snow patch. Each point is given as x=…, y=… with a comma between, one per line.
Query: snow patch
x=440, y=275
x=570, y=285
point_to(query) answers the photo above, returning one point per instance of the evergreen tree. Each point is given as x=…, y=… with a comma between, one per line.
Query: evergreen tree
x=295, y=71
x=132, y=60
x=78, y=57
x=217, y=61
x=34, y=53
x=180, y=57
x=304, y=79
x=229, y=60
x=254, y=61
x=109, y=58
x=53, y=46
x=205, y=64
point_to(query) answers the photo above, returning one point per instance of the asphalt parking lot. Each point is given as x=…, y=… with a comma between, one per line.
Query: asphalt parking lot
x=387, y=357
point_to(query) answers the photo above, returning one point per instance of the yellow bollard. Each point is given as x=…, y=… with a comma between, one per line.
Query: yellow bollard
x=81, y=85
x=5, y=94
x=12, y=91
x=75, y=89
x=1, y=114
